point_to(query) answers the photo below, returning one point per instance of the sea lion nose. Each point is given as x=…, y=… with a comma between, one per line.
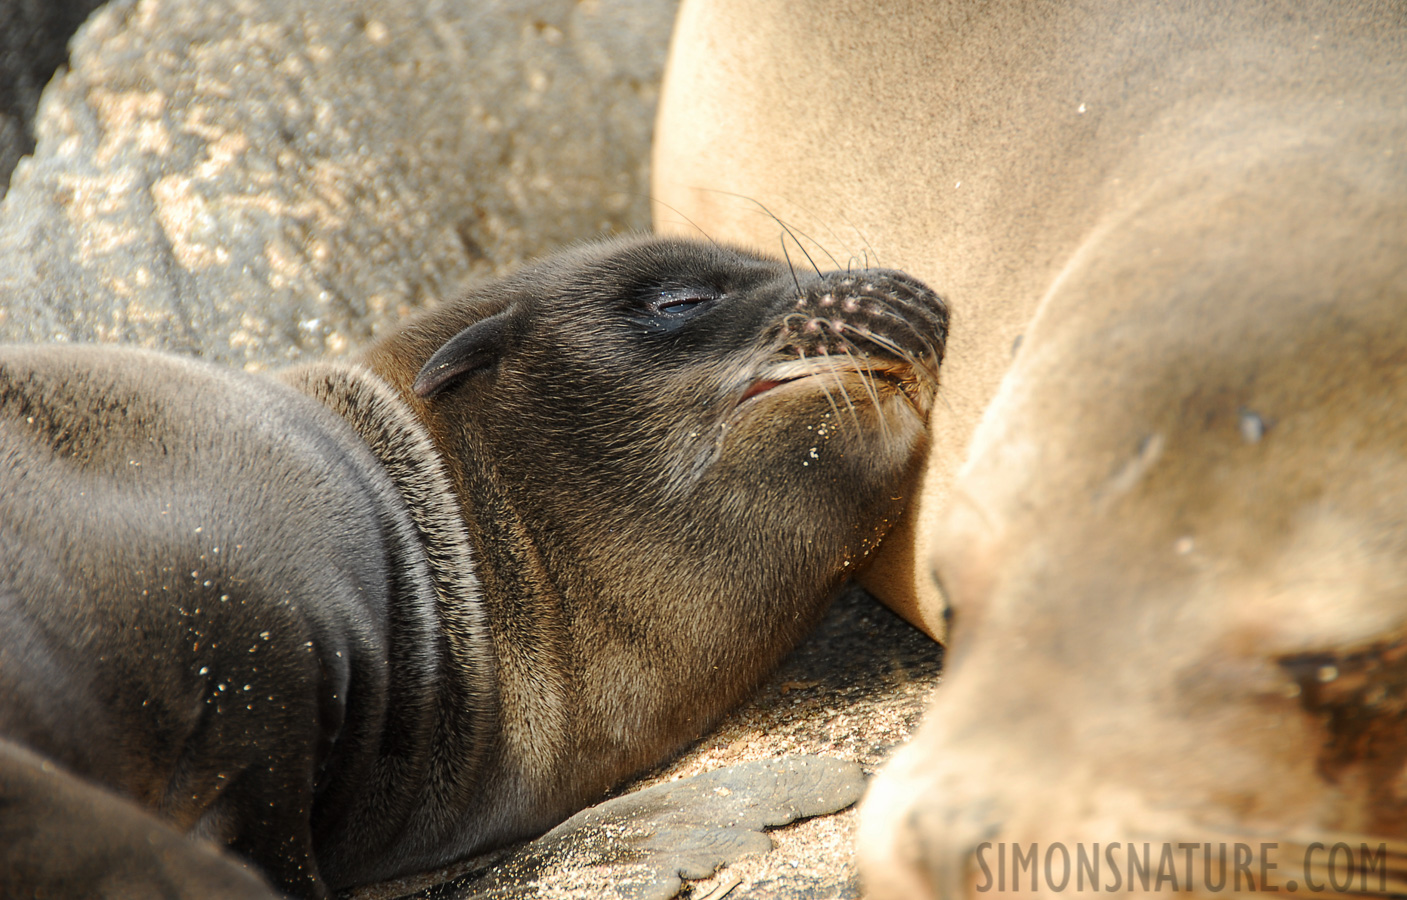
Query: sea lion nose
x=929, y=853
x=922, y=844
x=875, y=311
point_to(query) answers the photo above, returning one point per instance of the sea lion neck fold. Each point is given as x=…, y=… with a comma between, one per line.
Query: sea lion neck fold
x=402, y=446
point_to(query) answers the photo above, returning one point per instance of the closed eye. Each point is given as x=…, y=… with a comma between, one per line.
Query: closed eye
x=668, y=309
x=684, y=301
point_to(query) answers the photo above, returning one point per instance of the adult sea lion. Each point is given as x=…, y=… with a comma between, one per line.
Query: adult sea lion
x=374, y=616
x=1177, y=561
x=1174, y=552
x=982, y=149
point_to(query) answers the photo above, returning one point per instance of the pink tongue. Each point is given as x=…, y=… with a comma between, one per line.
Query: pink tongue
x=759, y=387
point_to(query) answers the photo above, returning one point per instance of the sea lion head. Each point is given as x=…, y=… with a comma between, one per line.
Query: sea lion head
x=698, y=444
x=650, y=397
x=1177, y=562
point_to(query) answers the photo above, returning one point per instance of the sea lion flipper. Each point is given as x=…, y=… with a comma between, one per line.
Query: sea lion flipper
x=476, y=347
x=62, y=836
x=640, y=846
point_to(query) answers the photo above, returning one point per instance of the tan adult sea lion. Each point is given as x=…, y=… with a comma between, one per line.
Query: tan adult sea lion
x=1175, y=549
x=1177, y=561
x=982, y=149
x=371, y=617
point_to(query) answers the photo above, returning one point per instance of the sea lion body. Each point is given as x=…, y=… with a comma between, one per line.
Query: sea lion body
x=1165, y=491
x=370, y=617
x=986, y=150
x=1177, y=562
x=214, y=595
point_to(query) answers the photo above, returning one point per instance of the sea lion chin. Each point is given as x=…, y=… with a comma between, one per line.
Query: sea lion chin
x=373, y=616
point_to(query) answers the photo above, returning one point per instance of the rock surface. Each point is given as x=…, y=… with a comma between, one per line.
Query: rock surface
x=640, y=845
x=262, y=182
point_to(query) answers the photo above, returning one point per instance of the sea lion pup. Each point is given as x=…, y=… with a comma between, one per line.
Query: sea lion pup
x=384, y=614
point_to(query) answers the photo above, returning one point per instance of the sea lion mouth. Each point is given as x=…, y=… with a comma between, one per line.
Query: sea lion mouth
x=759, y=387
x=830, y=375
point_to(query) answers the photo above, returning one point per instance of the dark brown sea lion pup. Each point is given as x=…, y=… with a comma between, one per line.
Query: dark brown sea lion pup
x=379, y=615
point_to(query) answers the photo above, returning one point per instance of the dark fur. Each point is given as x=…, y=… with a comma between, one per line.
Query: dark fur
x=354, y=630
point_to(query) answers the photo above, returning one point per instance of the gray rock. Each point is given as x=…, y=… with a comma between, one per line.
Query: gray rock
x=640, y=846
x=261, y=182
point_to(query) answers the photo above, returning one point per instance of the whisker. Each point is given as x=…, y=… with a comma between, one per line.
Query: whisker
x=799, y=245
x=868, y=379
x=853, y=227
x=795, y=321
x=885, y=343
x=784, y=226
x=791, y=267
x=821, y=382
x=928, y=361
x=939, y=321
x=805, y=254
x=834, y=375
x=859, y=360
x=674, y=209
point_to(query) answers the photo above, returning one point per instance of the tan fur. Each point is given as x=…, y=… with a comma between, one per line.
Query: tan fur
x=1176, y=555
x=979, y=149
x=1174, y=549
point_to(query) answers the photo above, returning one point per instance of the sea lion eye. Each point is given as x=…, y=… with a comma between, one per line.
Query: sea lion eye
x=662, y=310
x=679, y=302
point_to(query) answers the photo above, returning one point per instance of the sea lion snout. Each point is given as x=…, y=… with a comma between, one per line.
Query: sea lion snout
x=875, y=310
x=883, y=326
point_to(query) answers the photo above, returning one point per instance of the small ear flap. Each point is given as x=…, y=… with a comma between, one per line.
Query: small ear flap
x=476, y=347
